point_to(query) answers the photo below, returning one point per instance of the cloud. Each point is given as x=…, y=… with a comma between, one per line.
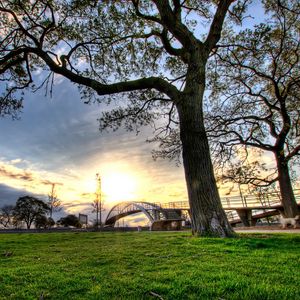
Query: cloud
x=14, y=173
x=8, y=172
x=9, y=195
x=87, y=194
x=138, y=219
x=76, y=204
x=49, y=182
x=16, y=161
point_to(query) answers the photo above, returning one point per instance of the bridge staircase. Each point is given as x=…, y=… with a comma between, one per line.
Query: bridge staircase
x=247, y=209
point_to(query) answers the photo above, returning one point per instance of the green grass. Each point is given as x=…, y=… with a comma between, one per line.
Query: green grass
x=136, y=265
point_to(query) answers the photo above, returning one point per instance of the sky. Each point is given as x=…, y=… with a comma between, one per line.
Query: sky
x=56, y=140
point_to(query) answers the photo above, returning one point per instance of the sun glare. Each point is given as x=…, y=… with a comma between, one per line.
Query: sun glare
x=119, y=187
x=90, y=185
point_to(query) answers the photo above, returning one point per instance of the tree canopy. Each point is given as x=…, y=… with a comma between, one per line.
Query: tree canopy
x=28, y=209
x=70, y=220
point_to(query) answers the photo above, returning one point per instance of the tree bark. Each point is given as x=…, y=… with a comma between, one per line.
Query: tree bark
x=286, y=190
x=207, y=214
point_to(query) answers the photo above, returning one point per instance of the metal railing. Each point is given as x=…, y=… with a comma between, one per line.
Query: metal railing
x=266, y=200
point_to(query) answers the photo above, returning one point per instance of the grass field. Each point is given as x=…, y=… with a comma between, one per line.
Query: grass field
x=148, y=265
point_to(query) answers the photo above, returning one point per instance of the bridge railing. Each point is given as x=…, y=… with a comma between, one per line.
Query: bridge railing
x=250, y=201
x=232, y=215
x=176, y=205
x=259, y=200
x=297, y=195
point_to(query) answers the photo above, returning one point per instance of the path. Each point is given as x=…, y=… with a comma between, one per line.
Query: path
x=266, y=229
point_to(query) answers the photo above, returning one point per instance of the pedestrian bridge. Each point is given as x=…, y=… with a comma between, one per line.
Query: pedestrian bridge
x=159, y=217
x=245, y=209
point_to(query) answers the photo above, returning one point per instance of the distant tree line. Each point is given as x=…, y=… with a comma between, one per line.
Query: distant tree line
x=30, y=211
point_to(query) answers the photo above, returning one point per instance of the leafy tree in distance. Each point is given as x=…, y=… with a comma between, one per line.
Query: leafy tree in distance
x=149, y=54
x=256, y=95
x=28, y=209
x=50, y=222
x=41, y=222
x=70, y=220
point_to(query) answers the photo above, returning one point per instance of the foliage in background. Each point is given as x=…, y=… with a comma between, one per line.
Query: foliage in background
x=69, y=220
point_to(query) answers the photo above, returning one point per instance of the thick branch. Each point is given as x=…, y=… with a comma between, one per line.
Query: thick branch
x=108, y=89
x=143, y=16
x=167, y=45
x=175, y=26
x=217, y=24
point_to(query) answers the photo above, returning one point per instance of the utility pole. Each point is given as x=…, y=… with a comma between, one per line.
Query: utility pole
x=98, y=206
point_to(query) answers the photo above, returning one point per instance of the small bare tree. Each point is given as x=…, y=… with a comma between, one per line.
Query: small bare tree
x=6, y=215
x=53, y=202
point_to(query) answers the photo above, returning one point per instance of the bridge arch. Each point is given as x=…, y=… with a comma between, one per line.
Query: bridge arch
x=123, y=209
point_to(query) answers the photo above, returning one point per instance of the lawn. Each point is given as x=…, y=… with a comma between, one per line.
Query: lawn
x=148, y=265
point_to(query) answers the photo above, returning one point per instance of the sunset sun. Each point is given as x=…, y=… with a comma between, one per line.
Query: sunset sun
x=119, y=187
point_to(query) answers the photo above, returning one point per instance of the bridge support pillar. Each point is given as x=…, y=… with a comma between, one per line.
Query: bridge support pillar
x=166, y=225
x=246, y=217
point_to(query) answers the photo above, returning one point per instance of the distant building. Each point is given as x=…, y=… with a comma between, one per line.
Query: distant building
x=83, y=219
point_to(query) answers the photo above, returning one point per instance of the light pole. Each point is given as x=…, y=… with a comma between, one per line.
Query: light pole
x=98, y=204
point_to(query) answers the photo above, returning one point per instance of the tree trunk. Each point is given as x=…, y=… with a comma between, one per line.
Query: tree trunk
x=286, y=190
x=207, y=214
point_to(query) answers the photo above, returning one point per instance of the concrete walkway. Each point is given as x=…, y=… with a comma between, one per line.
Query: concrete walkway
x=266, y=229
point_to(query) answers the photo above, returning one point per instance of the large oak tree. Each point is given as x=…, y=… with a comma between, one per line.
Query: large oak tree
x=148, y=57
